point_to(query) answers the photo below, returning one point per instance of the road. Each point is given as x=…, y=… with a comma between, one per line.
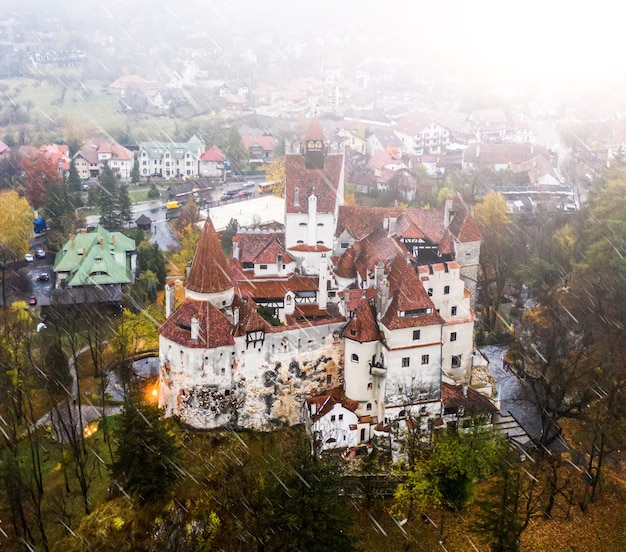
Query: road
x=514, y=397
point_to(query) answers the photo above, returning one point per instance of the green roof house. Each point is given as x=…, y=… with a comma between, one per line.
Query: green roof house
x=91, y=267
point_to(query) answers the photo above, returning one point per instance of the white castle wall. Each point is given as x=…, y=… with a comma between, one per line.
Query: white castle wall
x=258, y=387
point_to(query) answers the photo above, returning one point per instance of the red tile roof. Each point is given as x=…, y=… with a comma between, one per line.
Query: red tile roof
x=267, y=143
x=462, y=224
x=209, y=270
x=252, y=243
x=326, y=401
x=215, y=329
x=377, y=247
x=475, y=403
x=249, y=319
x=363, y=326
x=303, y=247
x=322, y=182
x=213, y=154
x=270, y=253
x=268, y=289
x=345, y=265
x=392, y=321
x=315, y=131
x=359, y=221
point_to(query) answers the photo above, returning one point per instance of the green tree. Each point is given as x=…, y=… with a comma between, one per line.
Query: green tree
x=228, y=234
x=73, y=179
x=153, y=192
x=188, y=240
x=307, y=513
x=150, y=257
x=134, y=173
x=447, y=473
x=124, y=206
x=147, y=456
x=107, y=200
x=235, y=150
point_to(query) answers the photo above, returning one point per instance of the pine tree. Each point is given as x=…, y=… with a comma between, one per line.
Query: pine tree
x=134, y=173
x=73, y=179
x=107, y=200
x=146, y=460
x=308, y=514
x=124, y=206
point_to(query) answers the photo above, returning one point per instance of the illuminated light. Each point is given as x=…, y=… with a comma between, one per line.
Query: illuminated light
x=155, y=392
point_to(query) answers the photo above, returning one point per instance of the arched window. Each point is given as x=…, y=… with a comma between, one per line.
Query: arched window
x=354, y=357
x=369, y=386
x=369, y=406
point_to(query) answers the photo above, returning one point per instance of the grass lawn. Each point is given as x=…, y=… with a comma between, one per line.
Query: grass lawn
x=62, y=108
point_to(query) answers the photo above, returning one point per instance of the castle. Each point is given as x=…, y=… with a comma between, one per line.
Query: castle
x=367, y=313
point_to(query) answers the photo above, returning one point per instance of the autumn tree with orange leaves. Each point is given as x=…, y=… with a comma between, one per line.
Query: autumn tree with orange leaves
x=39, y=172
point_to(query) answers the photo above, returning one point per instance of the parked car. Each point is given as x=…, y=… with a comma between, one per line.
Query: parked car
x=32, y=301
x=43, y=277
x=29, y=258
x=40, y=253
x=229, y=194
x=243, y=193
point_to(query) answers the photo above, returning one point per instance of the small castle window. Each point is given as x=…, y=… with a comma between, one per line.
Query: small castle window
x=453, y=336
x=369, y=406
x=430, y=292
x=453, y=311
x=369, y=386
x=354, y=357
x=425, y=359
x=406, y=362
x=446, y=290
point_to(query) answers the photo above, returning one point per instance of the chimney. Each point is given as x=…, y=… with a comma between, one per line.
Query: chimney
x=235, y=249
x=392, y=225
x=322, y=293
x=235, y=316
x=101, y=243
x=84, y=252
x=169, y=299
x=113, y=239
x=477, y=151
x=195, y=329
x=72, y=239
x=382, y=296
x=447, y=210
x=379, y=271
x=312, y=218
x=464, y=389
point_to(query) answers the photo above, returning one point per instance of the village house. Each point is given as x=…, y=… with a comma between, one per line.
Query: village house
x=91, y=157
x=170, y=159
x=212, y=163
x=93, y=266
x=349, y=319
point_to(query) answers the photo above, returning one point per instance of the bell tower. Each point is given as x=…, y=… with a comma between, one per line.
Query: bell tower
x=314, y=147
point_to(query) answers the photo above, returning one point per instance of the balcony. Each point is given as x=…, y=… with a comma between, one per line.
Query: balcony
x=377, y=369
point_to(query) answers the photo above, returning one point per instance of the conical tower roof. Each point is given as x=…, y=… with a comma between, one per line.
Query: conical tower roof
x=315, y=131
x=209, y=269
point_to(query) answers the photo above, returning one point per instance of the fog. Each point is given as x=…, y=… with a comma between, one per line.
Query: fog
x=550, y=47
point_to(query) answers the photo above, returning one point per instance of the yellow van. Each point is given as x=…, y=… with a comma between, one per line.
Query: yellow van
x=172, y=205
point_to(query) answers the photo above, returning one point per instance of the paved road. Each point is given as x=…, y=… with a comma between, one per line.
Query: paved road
x=514, y=397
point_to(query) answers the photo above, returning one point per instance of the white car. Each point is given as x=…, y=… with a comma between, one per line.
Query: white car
x=29, y=258
x=249, y=184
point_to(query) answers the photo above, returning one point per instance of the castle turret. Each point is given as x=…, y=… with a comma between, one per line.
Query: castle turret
x=208, y=278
